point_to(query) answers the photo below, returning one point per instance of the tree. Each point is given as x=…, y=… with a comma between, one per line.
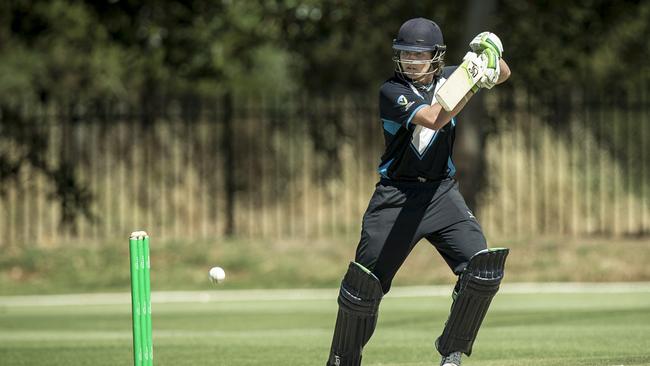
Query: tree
x=145, y=52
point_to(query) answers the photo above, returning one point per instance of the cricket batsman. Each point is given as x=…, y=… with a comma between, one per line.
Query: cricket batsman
x=417, y=197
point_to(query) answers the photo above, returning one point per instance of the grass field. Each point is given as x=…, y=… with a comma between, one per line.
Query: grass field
x=539, y=325
x=184, y=264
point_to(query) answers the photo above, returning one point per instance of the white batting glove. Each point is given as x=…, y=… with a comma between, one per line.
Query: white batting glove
x=492, y=69
x=487, y=40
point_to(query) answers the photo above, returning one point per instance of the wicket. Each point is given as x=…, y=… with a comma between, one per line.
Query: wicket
x=141, y=298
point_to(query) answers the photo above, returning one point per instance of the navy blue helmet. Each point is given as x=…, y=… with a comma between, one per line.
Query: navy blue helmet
x=419, y=35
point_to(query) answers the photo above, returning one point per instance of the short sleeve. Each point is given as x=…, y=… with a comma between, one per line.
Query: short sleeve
x=398, y=104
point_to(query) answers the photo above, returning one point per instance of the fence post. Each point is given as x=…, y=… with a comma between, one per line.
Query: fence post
x=228, y=162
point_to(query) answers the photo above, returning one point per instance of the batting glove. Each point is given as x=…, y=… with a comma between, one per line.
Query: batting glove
x=487, y=40
x=492, y=69
x=480, y=62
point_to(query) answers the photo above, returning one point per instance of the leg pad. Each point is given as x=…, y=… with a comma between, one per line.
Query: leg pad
x=358, y=301
x=476, y=287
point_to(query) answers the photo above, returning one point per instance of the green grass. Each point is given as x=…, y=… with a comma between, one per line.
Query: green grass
x=521, y=329
x=290, y=263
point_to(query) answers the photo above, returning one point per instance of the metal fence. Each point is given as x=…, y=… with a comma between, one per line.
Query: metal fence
x=268, y=167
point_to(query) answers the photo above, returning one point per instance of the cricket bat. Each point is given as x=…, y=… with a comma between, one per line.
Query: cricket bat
x=460, y=82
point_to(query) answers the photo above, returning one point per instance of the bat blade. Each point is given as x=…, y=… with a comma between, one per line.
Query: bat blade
x=459, y=83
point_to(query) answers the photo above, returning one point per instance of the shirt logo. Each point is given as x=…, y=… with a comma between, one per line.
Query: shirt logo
x=401, y=100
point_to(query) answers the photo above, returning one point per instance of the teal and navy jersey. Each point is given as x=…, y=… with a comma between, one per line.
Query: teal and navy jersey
x=414, y=152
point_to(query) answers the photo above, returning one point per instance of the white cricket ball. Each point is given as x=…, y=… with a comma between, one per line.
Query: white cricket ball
x=217, y=274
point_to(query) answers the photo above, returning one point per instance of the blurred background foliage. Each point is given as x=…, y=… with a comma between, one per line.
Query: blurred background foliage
x=145, y=53
x=135, y=50
x=246, y=105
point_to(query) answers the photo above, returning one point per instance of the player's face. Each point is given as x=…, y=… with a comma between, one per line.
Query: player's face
x=415, y=64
